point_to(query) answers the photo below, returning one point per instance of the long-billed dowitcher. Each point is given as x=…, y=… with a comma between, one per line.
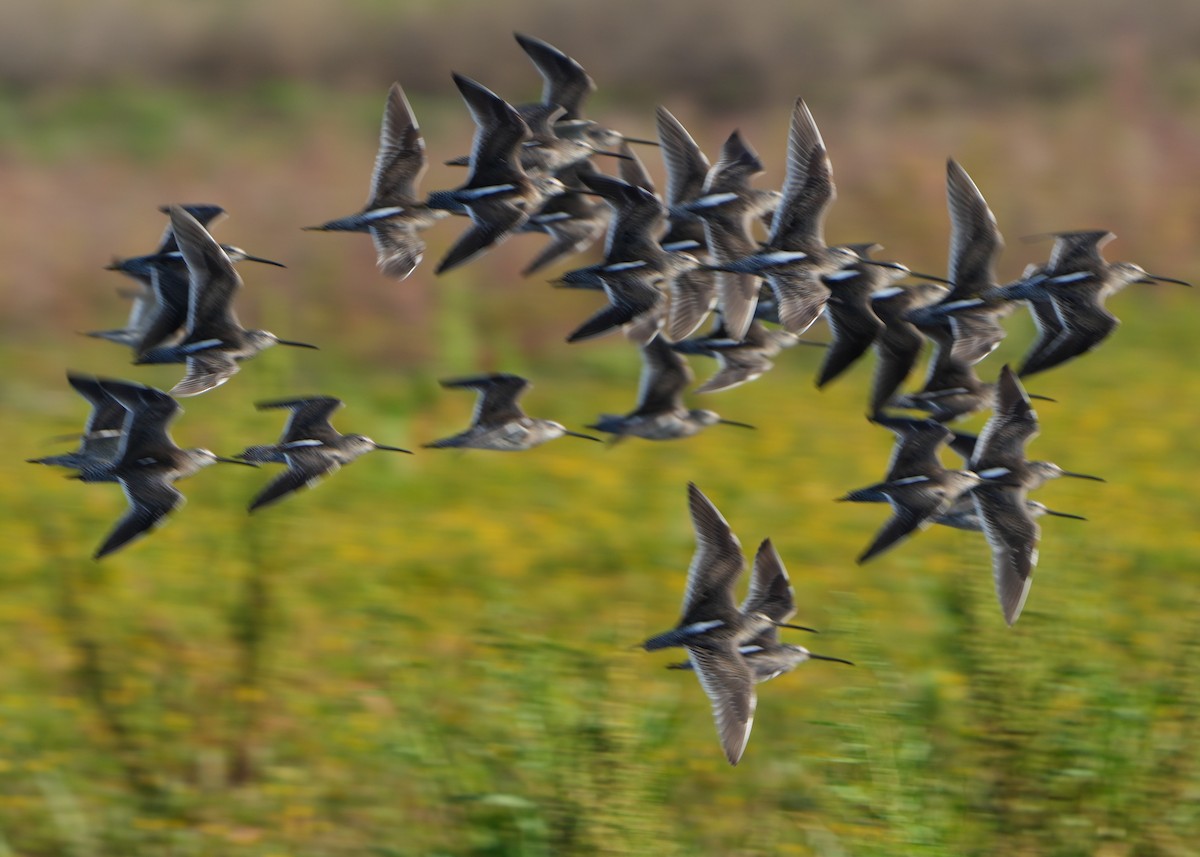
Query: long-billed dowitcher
x=727, y=206
x=633, y=241
x=1067, y=295
x=101, y=437
x=917, y=486
x=660, y=413
x=899, y=344
x=771, y=595
x=310, y=446
x=687, y=169
x=394, y=214
x=160, y=304
x=1001, y=501
x=215, y=340
x=740, y=361
x=966, y=323
x=711, y=627
x=499, y=194
x=147, y=462
x=566, y=84
x=498, y=422
x=850, y=309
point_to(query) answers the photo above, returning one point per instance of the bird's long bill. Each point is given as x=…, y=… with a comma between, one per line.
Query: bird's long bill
x=1065, y=515
x=1040, y=398
x=263, y=261
x=641, y=141
x=224, y=460
x=393, y=448
x=734, y=423
x=828, y=658
x=295, y=344
x=584, y=436
x=931, y=277
x=1155, y=278
x=797, y=627
x=1083, y=476
x=620, y=155
x=917, y=274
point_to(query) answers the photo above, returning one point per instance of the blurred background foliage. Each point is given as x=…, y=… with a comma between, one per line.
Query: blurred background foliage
x=430, y=655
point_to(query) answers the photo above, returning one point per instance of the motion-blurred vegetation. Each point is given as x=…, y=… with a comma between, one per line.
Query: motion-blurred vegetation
x=430, y=655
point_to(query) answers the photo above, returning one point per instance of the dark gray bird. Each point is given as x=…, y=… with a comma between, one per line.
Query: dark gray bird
x=160, y=303
x=850, y=309
x=660, y=413
x=917, y=486
x=632, y=244
x=147, y=462
x=899, y=344
x=711, y=627
x=394, y=214
x=101, y=438
x=499, y=194
x=214, y=340
x=771, y=595
x=687, y=169
x=498, y=422
x=1067, y=298
x=967, y=321
x=635, y=300
x=740, y=361
x=572, y=220
x=310, y=446
x=565, y=84
x=727, y=206
x=1001, y=502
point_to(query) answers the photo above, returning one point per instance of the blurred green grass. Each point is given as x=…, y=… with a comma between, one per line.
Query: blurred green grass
x=429, y=655
x=446, y=637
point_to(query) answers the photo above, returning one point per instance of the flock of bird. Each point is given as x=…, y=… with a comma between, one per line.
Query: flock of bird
x=669, y=262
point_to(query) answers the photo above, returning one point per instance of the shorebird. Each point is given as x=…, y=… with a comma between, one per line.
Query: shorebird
x=566, y=85
x=952, y=388
x=963, y=515
x=102, y=432
x=740, y=361
x=572, y=220
x=915, y=453
x=850, y=309
x=632, y=244
x=1001, y=502
x=795, y=256
x=635, y=301
x=310, y=446
x=660, y=413
x=687, y=170
x=498, y=422
x=147, y=462
x=394, y=214
x=967, y=321
x=1067, y=295
x=499, y=194
x=727, y=206
x=141, y=314
x=712, y=628
x=160, y=303
x=771, y=595
x=214, y=340
x=917, y=486
x=899, y=344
